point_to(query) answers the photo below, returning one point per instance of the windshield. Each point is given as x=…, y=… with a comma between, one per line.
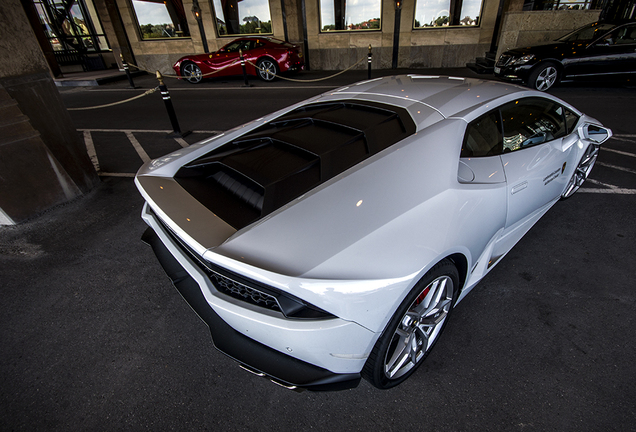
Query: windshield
x=587, y=33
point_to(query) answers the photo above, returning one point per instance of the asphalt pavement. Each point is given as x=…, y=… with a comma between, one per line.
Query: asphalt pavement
x=94, y=337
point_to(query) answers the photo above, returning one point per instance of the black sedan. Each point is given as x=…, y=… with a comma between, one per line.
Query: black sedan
x=601, y=50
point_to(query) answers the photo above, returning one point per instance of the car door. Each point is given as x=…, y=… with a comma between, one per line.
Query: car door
x=226, y=60
x=534, y=155
x=613, y=54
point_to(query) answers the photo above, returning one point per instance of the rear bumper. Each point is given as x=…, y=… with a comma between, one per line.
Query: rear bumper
x=258, y=358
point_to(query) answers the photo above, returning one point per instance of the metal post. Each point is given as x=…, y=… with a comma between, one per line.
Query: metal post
x=243, y=67
x=396, y=34
x=176, y=130
x=127, y=70
x=369, y=57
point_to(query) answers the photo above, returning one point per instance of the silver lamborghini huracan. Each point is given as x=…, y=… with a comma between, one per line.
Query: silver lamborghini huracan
x=329, y=241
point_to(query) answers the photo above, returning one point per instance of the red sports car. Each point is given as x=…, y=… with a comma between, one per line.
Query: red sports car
x=272, y=56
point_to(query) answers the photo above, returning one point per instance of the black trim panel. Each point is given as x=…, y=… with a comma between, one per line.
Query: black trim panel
x=254, y=355
x=259, y=172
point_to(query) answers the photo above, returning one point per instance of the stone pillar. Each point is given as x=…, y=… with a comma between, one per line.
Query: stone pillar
x=43, y=163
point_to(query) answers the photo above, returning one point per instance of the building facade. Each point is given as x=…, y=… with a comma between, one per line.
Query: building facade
x=334, y=34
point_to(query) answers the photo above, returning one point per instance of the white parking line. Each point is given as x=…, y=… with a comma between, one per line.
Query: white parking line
x=621, y=138
x=619, y=168
x=617, y=191
x=138, y=148
x=611, y=189
x=618, y=152
x=90, y=149
x=600, y=183
x=182, y=142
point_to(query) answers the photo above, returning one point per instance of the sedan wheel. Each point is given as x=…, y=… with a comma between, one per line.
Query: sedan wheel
x=267, y=69
x=544, y=78
x=414, y=329
x=192, y=73
x=582, y=171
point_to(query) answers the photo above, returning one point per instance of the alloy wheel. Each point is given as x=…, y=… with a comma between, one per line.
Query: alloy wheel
x=267, y=70
x=546, y=78
x=192, y=73
x=582, y=171
x=419, y=327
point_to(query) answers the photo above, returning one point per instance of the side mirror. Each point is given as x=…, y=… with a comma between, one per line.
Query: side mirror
x=595, y=133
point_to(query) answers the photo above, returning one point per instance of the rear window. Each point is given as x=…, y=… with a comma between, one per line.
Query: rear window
x=270, y=166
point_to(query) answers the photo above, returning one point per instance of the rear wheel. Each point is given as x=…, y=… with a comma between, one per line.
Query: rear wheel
x=414, y=329
x=544, y=77
x=267, y=69
x=192, y=73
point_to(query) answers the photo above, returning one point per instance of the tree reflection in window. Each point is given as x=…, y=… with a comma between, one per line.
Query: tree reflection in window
x=355, y=15
x=161, y=19
x=234, y=17
x=440, y=13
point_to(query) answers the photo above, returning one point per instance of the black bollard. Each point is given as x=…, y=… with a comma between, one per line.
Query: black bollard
x=127, y=70
x=369, y=57
x=176, y=130
x=243, y=67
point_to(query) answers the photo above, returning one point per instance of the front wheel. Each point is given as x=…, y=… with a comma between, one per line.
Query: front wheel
x=267, y=69
x=414, y=328
x=544, y=77
x=192, y=73
x=582, y=171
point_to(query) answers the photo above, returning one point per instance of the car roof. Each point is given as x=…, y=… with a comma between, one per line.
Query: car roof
x=430, y=98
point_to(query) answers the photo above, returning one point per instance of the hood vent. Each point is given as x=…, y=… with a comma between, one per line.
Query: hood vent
x=257, y=173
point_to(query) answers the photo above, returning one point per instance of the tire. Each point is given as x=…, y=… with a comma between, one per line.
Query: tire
x=415, y=327
x=191, y=72
x=582, y=171
x=544, y=77
x=267, y=69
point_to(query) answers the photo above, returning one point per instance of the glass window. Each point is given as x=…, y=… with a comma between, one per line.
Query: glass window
x=561, y=4
x=587, y=33
x=72, y=26
x=483, y=137
x=340, y=15
x=438, y=13
x=238, y=17
x=531, y=121
x=626, y=35
x=620, y=36
x=161, y=20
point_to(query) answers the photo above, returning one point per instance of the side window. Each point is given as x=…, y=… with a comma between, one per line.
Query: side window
x=627, y=35
x=233, y=47
x=532, y=121
x=483, y=136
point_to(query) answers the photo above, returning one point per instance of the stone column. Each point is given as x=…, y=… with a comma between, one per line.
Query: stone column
x=43, y=163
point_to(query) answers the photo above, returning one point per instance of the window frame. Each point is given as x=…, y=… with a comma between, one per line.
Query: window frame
x=339, y=31
x=43, y=9
x=141, y=34
x=451, y=26
x=220, y=35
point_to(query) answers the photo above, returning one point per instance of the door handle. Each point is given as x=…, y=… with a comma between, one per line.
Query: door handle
x=519, y=187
